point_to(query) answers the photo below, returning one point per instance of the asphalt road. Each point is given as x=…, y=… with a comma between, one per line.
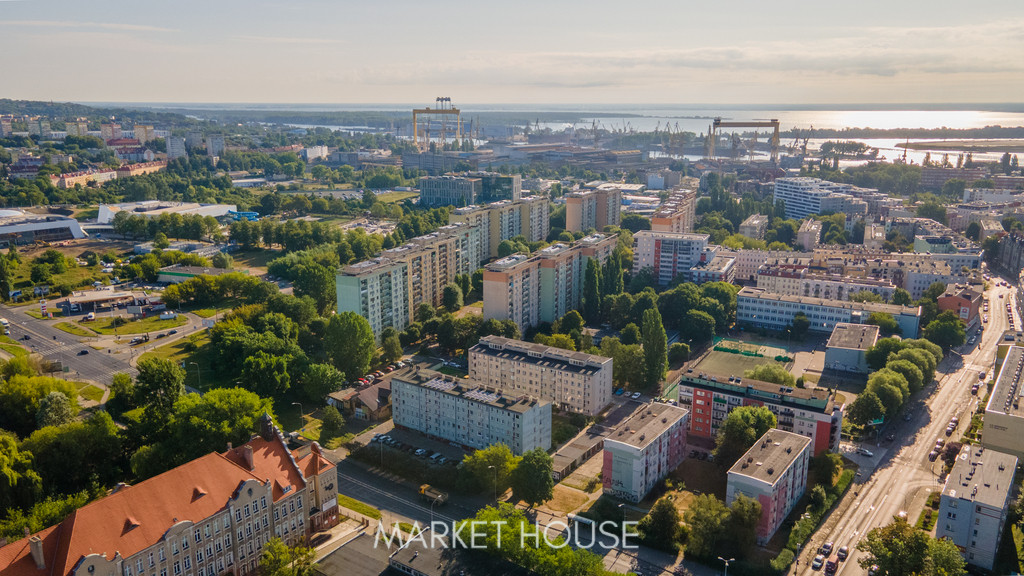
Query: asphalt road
x=900, y=477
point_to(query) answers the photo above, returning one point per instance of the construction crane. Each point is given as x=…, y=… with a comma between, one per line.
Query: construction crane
x=445, y=110
x=719, y=123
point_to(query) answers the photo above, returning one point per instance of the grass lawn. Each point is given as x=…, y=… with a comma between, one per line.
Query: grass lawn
x=452, y=371
x=73, y=329
x=562, y=429
x=76, y=276
x=57, y=313
x=105, y=325
x=357, y=506
x=90, y=392
x=726, y=364
x=210, y=312
x=11, y=347
x=255, y=259
x=701, y=477
x=204, y=378
x=87, y=214
x=565, y=500
x=396, y=196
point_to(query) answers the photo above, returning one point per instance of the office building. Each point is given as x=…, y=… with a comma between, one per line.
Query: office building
x=975, y=502
x=804, y=197
x=677, y=214
x=593, y=209
x=964, y=301
x=1004, y=419
x=436, y=191
x=847, y=346
x=176, y=148
x=572, y=381
x=643, y=451
x=462, y=411
x=542, y=288
x=668, y=254
x=774, y=474
x=215, y=145
x=754, y=226
x=805, y=411
x=935, y=177
x=210, y=516
x=758, y=308
x=378, y=290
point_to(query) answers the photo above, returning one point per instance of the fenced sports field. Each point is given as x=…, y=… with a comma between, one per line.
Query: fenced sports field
x=732, y=357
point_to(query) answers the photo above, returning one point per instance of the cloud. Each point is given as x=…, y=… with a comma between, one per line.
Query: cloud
x=85, y=25
x=288, y=40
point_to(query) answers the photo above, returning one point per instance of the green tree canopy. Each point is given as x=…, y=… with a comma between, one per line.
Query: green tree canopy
x=655, y=345
x=349, y=342
x=775, y=373
x=531, y=480
x=490, y=469
x=739, y=430
x=660, y=527
x=278, y=559
x=20, y=398
x=947, y=331
x=886, y=323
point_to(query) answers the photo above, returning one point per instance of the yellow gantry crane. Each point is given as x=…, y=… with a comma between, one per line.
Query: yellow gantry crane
x=719, y=123
x=445, y=110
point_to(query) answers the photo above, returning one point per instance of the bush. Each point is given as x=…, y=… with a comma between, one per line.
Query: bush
x=783, y=561
x=678, y=352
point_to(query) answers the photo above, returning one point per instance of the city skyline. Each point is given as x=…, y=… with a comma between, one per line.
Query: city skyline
x=586, y=53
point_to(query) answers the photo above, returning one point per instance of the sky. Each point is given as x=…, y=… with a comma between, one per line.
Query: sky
x=526, y=51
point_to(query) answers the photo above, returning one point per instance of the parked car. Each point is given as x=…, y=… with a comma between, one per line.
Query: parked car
x=950, y=430
x=635, y=395
x=933, y=455
x=420, y=452
x=173, y=332
x=818, y=562
x=974, y=389
x=619, y=391
x=865, y=452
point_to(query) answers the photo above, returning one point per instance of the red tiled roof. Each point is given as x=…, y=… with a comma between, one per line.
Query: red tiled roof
x=314, y=463
x=271, y=460
x=133, y=518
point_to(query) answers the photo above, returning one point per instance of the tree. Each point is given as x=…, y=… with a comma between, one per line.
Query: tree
x=5, y=279
x=774, y=373
x=697, y=326
x=265, y=374
x=898, y=549
x=317, y=282
x=947, y=330
x=122, y=394
x=452, y=297
x=739, y=430
x=349, y=343
x=744, y=516
x=706, y=518
x=866, y=408
x=425, y=312
x=901, y=297
x=159, y=385
x=319, y=380
x=611, y=281
x=944, y=557
x=800, y=325
x=878, y=354
x=160, y=241
x=886, y=323
x=332, y=424
x=592, y=292
x=891, y=378
x=392, y=347
x=54, y=410
x=570, y=322
x=678, y=352
x=973, y=231
x=91, y=450
x=660, y=527
x=222, y=260
x=910, y=371
x=655, y=344
x=924, y=361
x=21, y=397
x=933, y=210
x=277, y=559
x=934, y=291
x=41, y=273
x=20, y=484
x=486, y=467
x=531, y=480
x=630, y=334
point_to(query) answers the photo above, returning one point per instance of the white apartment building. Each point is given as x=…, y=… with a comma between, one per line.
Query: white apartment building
x=215, y=145
x=377, y=290
x=574, y=381
x=797, y=280
x=809, y=234
x=773, y=473
x=644, y=450
x=176, y=147
x=975, y=502
x=807, y=196
x=461, y=411
x=668, y=254
x=754, y=226
x=762, y=309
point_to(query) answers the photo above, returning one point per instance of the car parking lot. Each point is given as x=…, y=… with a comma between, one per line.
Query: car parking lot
x=416, y=444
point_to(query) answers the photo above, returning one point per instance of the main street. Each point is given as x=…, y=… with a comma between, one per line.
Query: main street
x=899, y=477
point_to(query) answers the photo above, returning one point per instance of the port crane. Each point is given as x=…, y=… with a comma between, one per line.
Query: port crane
x=718, y=123
x=445, y=110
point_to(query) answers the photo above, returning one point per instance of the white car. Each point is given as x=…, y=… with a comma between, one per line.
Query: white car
x=865, y=452
x=635, y=395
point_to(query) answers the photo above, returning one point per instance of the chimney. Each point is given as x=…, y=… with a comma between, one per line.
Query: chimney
x=230, y=447
x=35, y=544
x=266, y=428
x=247, y=455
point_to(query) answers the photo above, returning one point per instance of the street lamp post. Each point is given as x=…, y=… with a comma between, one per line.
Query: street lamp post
x=302, y=423
x=199, y=377
x=496, y=481
x=726, y=564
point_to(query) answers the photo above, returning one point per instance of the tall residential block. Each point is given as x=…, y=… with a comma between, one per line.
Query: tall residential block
x=804, y=197
x=643, y=451
x=677, y=214
x=144, y=133
x=504, y=220
x=377, y=290
x=215, y=145
x=471, y=415
x=110, y=132
x=542, y=288
x=572, y=381
x=976, y=501
x=1004, y=418
x=808, y=412
x=593, y=209
x=773, y=473
x=436, y=191
x=176, y=147
x=669, y=254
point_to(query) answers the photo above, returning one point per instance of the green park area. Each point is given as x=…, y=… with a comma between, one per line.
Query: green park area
x=120, y=325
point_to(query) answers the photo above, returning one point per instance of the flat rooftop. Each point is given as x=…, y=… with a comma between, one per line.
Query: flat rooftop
x=541, y=354
x=981, y=475
x=467, y=389
x=853, y=336
x=762, y=294
x=1006, y=393
x=769, y=457
x=507, y=262
x=805, y=398
x=648, y=424
x=720, y=263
